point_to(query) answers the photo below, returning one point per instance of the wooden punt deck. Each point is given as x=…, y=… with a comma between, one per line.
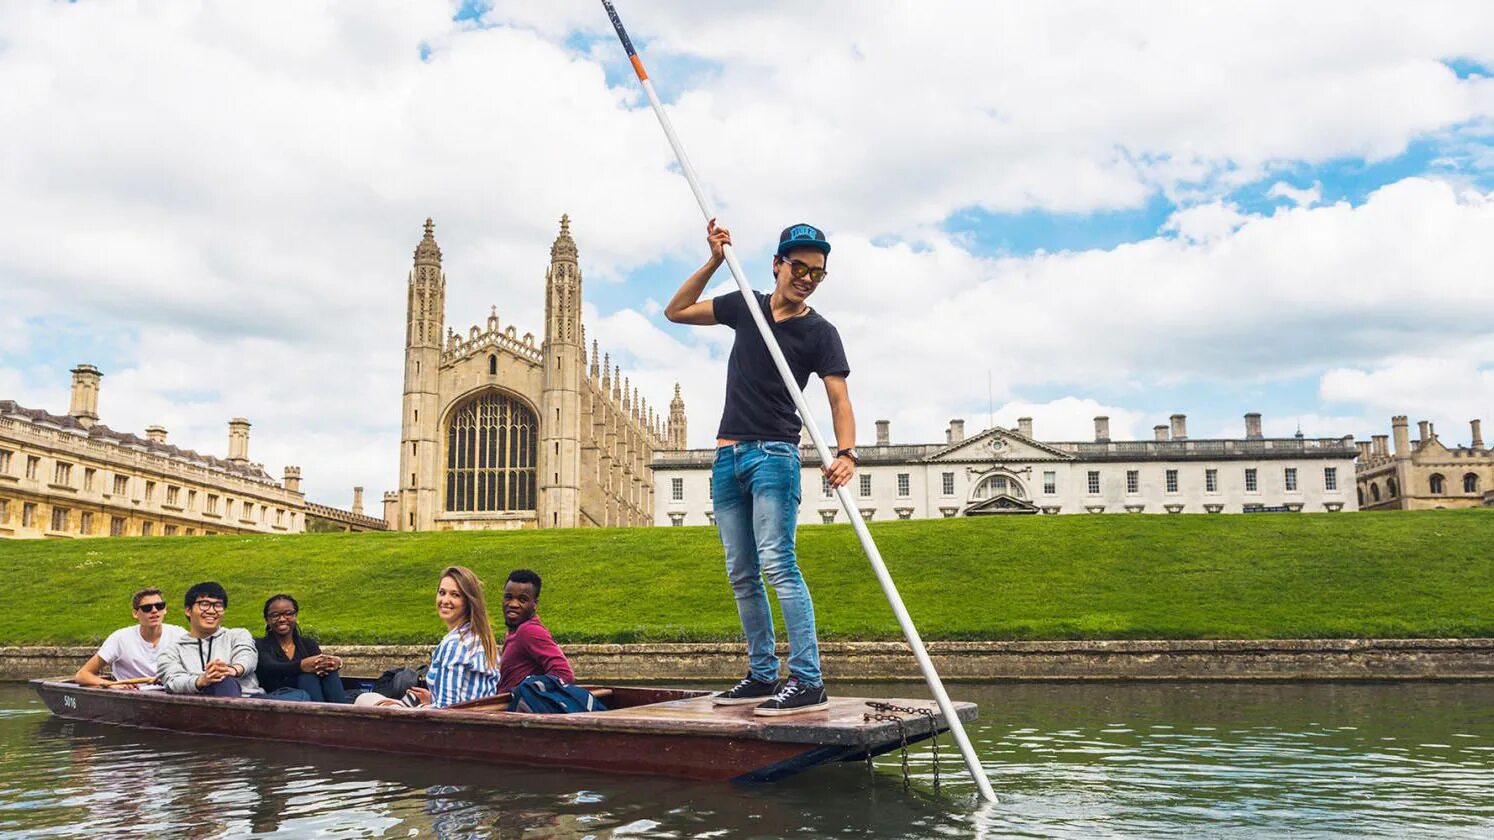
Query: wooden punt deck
x=656, y=731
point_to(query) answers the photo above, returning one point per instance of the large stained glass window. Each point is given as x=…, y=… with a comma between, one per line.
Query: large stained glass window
x=491, y=444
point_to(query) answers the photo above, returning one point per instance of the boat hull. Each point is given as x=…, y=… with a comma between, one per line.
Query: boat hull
x=662, y=732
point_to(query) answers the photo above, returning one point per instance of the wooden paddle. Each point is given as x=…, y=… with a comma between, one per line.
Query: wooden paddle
x=131, y=681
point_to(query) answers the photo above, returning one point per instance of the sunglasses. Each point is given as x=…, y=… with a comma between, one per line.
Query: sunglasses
x=801, y=269
x=158, y=606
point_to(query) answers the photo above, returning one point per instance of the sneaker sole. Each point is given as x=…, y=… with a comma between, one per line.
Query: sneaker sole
x=718, y=700
x=797, y=710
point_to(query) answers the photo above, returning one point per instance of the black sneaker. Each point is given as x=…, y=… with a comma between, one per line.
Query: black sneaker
x=748, y=690
x=795, y=697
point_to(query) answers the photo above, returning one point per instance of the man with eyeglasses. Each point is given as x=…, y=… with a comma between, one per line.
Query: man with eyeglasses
x=210, y=659
x=755, y=477
x=130, y=652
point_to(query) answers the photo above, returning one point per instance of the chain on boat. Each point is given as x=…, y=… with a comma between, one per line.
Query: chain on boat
x=894, y=714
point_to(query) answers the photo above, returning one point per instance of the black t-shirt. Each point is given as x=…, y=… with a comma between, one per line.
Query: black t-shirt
x=758, y=407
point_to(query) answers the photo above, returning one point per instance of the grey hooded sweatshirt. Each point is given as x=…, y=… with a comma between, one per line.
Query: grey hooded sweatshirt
x=179, y=665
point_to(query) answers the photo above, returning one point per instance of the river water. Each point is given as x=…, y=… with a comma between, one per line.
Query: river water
x=1066, y=759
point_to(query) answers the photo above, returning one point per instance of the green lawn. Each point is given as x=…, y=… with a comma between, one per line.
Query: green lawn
x=1421, y=574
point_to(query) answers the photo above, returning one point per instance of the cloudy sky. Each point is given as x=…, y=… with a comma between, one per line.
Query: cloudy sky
x=1054, y=210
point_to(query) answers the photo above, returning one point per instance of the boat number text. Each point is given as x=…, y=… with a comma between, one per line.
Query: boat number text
x=69, y=701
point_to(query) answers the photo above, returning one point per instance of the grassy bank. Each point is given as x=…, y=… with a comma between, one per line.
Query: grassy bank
x=1424, y=574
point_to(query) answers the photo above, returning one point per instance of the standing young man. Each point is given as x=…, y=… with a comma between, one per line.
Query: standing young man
x=755, y=478
x=130, y=652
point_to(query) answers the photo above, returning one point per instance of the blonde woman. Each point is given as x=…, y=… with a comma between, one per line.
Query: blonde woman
x=464, y=665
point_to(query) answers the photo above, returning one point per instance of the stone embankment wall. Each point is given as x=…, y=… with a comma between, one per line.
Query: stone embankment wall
x=1289, y=659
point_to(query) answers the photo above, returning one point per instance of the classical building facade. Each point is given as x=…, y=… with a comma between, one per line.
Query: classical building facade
x=1010, y=471
x=1424, y=474
x=501, y=432
x=68, y=476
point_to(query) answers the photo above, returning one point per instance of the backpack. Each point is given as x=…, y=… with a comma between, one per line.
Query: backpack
x=396, y=681
x=546, y=695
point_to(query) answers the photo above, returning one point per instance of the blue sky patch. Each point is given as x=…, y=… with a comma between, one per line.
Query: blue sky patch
x=1467, y=67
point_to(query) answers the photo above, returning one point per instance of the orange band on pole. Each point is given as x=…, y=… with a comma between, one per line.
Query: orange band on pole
x=638, y=68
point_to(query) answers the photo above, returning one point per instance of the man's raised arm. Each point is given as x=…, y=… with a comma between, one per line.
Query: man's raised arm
x=686, y=307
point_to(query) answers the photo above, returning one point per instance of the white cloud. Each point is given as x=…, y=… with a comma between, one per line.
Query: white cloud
x=1449, y=391
x=1280, y=297
x=1205, y=222
x=1300, y=197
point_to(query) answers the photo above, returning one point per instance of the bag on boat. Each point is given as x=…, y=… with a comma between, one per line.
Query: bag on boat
x=546, y=695
x=395, y=682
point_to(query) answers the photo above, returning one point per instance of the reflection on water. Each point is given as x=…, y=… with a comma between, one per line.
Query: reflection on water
x=1067, y=760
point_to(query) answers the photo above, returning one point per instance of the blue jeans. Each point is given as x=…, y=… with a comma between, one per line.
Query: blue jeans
x=313, y=689
x=755, y=490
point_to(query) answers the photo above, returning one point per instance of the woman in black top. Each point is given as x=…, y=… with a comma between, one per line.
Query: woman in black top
x=292, y=666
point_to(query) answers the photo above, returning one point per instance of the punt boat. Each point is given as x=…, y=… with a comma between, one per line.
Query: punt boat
x=645, y=730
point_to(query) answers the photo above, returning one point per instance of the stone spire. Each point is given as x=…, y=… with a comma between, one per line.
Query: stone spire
x=617, y=392
x=563, y=290
x=428, y=252
x=675, y=431
x=606, y=373
x=595, y=360
x=564, y=247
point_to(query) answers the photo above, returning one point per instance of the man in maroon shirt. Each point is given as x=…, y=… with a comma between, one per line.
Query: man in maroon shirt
x=529, y=650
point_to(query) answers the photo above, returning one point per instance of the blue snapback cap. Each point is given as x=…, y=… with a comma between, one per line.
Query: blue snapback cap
x=802, y=236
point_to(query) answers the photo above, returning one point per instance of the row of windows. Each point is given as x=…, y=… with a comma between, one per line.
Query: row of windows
x=62, y=476
x=1211, y=480
x=62, y=520
x=1436, y=483
x=1001, y=484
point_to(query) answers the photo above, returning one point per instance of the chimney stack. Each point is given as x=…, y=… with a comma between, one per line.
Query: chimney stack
x=1253, y=426
x=293, y=479
x=1179, y=427
x=884, y=432
x=1423, y=431
x=956, y=430
x=1382, y=445
x=84, y=406
x=238, y=440
x=357, y=501
x=1478, y=433
x=391, y=509
x=1402, y=431
x=1024, y=426
x=1364, y=451
x=1160, y=432
x=156, y=434
x=1102, y=429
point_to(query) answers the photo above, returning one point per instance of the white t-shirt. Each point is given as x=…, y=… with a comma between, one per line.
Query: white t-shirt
x=130, y=656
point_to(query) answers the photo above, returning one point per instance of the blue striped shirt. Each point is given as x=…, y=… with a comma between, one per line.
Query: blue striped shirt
x=459, y=669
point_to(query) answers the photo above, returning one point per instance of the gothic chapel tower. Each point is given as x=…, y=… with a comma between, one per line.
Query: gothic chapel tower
x=565, y=360
x=424, y=320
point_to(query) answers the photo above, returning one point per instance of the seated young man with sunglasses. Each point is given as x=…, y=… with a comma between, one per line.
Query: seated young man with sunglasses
x=755, y=478
x=130, y=652
x=210, y=659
